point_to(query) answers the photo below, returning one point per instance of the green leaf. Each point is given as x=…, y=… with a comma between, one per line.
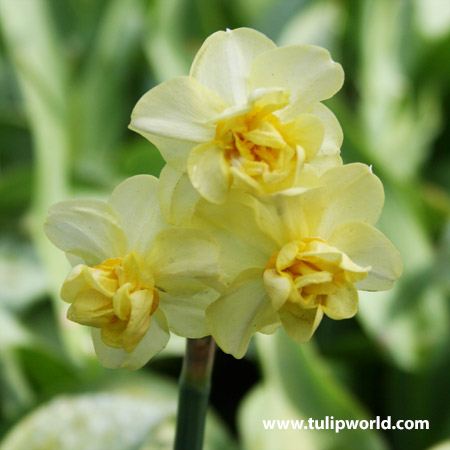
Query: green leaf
x=411, y=321
x=319, y=24
x=100, y=107
x=22, y=278
x=164, y=44
x=298, y=385
x=133, y=412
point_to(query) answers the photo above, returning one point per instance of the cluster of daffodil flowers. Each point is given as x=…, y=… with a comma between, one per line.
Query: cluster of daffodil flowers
x=254, y=224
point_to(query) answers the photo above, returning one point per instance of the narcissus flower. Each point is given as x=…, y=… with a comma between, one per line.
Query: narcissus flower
x=134, y=278
x=248, y=115
x=301, y=254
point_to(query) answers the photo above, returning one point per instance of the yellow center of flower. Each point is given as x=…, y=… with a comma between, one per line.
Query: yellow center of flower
x=255, y=139
x=315, y=271
x=263, y=150
x=118, y=296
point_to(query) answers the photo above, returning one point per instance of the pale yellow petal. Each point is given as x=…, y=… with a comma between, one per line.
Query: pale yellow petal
x=343, y=304
x=354, y=195
x=300, y=324
x=366, y=245
x=237, y=315
x=136, y=202
x=177, y=196
x=321, y=252
x=333, y=135
x=153, y=342
x=209, y=172
x=223, y=62
x=307, y=72
x=293, y=214
x=81, y=277
x=179, y=108
x=177, y=111
x=86, y=229
x=236, y=228
x=186, y=315
x=243, y=181
x=287, y=255
x=277, y=287
x=308, y=131
x=183, y=252
x=185, y=286
x=91, y=308
x=266, y=135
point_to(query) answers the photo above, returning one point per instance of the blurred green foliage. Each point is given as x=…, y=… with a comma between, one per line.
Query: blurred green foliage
x=71, y=72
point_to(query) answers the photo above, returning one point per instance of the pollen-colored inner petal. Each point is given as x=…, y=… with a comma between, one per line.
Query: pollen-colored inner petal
x=318, y=273
x=118, y=296
x=264, y=151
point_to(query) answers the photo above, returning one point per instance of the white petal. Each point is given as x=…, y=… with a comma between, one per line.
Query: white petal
x=223, y=62
x=307, y=72
x=136, y=203
x=176, y=114
x=243, y=310
x=152, y=343
x=354, y=195
x=367, y=246
x=186, y=316
x=87, y=230
x=177, y=196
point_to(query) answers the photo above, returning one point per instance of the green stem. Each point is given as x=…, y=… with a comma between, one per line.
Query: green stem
x=194, y=387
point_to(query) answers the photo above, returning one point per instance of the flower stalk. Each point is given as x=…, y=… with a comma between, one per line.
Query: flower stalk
x=194, y=388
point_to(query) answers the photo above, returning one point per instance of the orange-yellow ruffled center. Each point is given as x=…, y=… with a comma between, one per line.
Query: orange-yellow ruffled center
x=256, y=140
x=265, y=153
x=259, y=146
x=118, y=296
x=315, y=270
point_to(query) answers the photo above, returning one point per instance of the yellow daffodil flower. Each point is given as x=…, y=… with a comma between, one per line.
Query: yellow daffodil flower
x=248, y=115
x=299, y=255
x=133, y=277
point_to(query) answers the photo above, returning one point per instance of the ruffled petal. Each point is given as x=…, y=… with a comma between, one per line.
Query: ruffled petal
x=223, y=62
x=209, y=172
x=87, y=230
x=367, y=246
x=308, y=131
x=277, y=287
x=307, y=72
x=177, y=196
x=354, y=194
x=136, y=203
x=152, y=343
x=237, y=315
x=342, y=304
x=299, y=323
x=186, y=315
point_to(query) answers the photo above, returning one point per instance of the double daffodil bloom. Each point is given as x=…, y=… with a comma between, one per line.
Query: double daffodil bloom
x=301, y=254
x=134, y=278
x=248, y=115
